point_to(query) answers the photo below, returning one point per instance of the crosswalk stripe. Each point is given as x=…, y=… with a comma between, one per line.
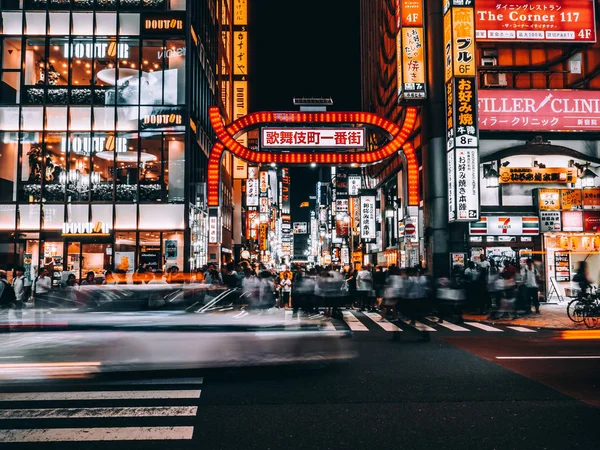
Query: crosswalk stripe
x=353, y=322
x=522, y=329
x=97, y=395
x=383, y=323
x=77, y=413
x=328, y=326
x=419, y=326
x=482, y=326
x=96, y=434
x=446, y=324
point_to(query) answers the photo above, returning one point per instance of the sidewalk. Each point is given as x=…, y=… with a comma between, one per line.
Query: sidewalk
x=552, y=316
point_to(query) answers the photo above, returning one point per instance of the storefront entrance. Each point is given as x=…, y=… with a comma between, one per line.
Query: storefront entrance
x=84, y=257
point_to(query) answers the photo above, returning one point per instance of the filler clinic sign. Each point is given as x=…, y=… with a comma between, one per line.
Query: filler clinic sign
x=536, y=20
x=538, y=110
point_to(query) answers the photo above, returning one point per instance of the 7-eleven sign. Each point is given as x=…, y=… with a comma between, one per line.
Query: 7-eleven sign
x=506, y=226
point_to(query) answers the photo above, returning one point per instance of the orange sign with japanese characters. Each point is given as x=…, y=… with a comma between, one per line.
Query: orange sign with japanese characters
x=463, y=27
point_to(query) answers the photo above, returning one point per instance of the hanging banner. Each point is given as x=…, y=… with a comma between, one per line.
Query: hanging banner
x=536, y=20
x=368, y=226
x=410, y=50
x=462, y=134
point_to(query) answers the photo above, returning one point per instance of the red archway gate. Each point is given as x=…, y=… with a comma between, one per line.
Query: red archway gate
x=396, y=135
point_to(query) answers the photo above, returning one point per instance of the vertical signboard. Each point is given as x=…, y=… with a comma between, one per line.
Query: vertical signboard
x=240, y=63
x=368, y=225
x=462, y=135
x=252, y=192
x=410, y=49
x=213, y=226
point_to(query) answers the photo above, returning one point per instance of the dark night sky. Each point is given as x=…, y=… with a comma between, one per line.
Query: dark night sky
x=303, y=49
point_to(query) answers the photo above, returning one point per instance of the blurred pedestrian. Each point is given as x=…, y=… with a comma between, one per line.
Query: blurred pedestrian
x=530, y=278
x=285, y=286
x=158, y=278
x=364, y=287
x=267, y=290
x=109, y=278
x=89, y=279
x=18, y=284
x=391, y=293
x=582, y=278
x=379, y=278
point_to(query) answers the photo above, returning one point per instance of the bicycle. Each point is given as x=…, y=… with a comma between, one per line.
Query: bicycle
x=591, y=314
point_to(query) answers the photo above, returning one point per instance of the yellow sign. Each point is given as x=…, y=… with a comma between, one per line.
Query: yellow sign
x=463, y=26
x=240, y=106
x=240, y=53
x=549, y=199
x=571, y=199
x=448, y=45
x=263, y=230
x=537, y=175
x=240, y=12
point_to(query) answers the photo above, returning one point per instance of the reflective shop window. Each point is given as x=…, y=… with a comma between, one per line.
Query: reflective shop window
x=106, y=24
x=83, y=23
x=125, y=217
x=29, y=217
x=80, y=118
x=35, y=23
x=54, y=216
x=10, y=88
x=177, y=5
x=9, y=118
x=56, y=118
x=9, y=155
x=11, y=53
x=129, y=24
x=173, y=249
x=32, y=157
x=104, y=146
x=175, y=167
x=8, y=215
x=152, y=172
x=11, y=4
x=32, y=118
x=55, y=167
x=163, y=72
x=59, y=24
x=126, y=171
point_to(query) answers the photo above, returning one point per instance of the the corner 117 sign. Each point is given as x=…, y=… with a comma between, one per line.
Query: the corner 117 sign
x=536, y=20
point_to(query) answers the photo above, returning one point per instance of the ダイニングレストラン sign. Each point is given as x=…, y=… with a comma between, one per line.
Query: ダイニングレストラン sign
x=539, y=110
x=535, y=20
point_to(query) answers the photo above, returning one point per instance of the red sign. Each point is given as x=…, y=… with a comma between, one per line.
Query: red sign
x=539, y=110
x=535, y=20
x=410, y=229
x=591, y=221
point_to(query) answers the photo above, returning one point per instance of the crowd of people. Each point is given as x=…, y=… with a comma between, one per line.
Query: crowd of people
x=483, y=286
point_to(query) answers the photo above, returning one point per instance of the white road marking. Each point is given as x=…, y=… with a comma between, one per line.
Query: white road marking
x=74, y=413
x=419, y=326
x=483, y=327
x=96, y=395
x=383, y=323
x=522, y=329
x=549, y=357
x=160, y=381
x=353, y=322
x=96, y=434
x=446, y=324
x=327, y=325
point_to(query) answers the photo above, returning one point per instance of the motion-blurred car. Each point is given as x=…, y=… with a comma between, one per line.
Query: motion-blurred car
x=160, y=327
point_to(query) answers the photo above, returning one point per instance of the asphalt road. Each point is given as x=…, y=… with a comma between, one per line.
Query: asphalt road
x=450, y=392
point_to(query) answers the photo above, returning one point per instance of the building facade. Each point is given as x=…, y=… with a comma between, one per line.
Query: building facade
x=105, y=133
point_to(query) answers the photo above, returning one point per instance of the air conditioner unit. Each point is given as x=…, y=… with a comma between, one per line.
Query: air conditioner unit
x=492, y=79
x=490, y=61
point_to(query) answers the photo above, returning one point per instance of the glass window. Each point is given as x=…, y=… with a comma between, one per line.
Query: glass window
x=152, y=72
x=104, y=118
x=129, y=24
x=8, y=215
x=9, y=118
x=127, y=170
x=35, y=23
x=151, y=168
x=59, y=24
x=54, y=217
x=29, y=217
x=78, y=174
x=173, y=249
x=127, y=118
x=102, y=213
x=55, y=161
x=103, y=166
x=163, y=217
x=10, y=88
x=126, y=217
x=83, y=23
x=9, y=152
x=106, y=24
x=125, y=247
x=81, y=118
x=58, y=65
x=174, y=163
x=11, y=53
x=174, y=73
x=12, y=22
x=30, y=186
x=56, y=118
x=32, y=118
x=36, y=63
x=177, y=5
x=78, y=214
x=127, y=91
x=150, y=251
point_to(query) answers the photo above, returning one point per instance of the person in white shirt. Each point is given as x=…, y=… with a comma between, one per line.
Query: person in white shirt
x=41, y=285
x=530, y=275
x=364, y=287
x=18, y=284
